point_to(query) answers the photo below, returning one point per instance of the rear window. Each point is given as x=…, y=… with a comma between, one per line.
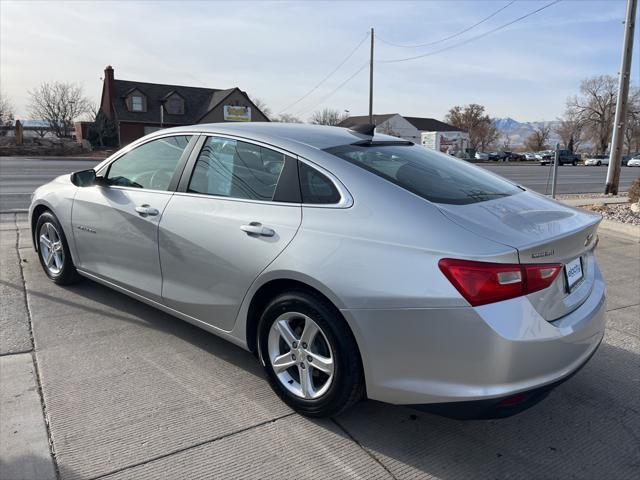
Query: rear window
x=430, y=174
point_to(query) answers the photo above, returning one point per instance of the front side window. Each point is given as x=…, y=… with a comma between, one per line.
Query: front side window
x=151, y=165
x=229, y=168
x=137, y=103
x=430, y=174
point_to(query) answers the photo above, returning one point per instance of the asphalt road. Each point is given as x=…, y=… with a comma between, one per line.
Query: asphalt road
x=132, y=393
x=20, y=176
x=571, y=179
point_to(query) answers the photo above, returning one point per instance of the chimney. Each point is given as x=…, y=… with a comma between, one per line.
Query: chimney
x=109, y=91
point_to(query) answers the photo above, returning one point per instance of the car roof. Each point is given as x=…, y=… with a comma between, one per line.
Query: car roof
x=284, y=134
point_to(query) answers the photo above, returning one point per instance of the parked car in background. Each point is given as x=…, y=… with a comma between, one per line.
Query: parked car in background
x=597, y=160
x=513, y=156
x=482, y=156
x=352, y=264
x=529, y=156
x=498, y=156
x=634, y=162
x=545, y=157
x=565, y=157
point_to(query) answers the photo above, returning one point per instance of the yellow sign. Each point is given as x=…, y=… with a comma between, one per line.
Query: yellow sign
x=237, y=114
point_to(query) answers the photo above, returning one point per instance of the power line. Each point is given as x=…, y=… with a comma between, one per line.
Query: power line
x=326, y=97
x=457, y=34
x=327, y=77
x=464, y=42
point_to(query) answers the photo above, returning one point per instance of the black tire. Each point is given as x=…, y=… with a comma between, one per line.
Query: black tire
x=347, y=386
x=67, y=273
x=574, y=163
x=599, y=163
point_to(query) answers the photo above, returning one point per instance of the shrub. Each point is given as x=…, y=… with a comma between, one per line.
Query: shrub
x=634, y=191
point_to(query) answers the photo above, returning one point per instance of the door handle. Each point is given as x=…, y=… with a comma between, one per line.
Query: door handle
x=256, y=228
x=145, y=210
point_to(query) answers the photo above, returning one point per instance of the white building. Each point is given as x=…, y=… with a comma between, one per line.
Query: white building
x=429, y=132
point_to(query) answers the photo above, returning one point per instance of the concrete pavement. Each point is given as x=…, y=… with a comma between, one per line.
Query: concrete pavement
x=132, y=393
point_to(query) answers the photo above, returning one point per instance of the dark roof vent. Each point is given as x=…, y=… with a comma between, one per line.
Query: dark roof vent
x=364, y=128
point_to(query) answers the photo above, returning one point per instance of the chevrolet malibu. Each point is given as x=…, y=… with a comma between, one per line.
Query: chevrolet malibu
x=352, y=264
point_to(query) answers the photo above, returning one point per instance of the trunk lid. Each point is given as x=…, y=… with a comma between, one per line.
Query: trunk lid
x=543, y=231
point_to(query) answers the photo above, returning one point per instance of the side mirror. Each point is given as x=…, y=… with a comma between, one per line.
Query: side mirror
x=84, y=178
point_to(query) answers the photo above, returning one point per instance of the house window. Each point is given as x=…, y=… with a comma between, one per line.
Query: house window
x=175, y=106
x=137, y=103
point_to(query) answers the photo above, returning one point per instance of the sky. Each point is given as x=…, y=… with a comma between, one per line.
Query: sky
x=279, y=51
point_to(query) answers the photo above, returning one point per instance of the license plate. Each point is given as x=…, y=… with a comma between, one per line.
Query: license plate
x=573, y=272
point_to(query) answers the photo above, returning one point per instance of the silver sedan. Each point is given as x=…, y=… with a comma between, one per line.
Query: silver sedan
x=352, y=264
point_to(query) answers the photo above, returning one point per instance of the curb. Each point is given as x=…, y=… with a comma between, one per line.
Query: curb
x=632, y=230
x=581, y=202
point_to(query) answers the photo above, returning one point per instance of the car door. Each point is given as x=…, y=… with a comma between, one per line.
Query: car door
x=115, y=221
x=236, y=209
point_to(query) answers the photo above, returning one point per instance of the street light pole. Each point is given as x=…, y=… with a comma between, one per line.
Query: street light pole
x=371, y=81
x=617, y=142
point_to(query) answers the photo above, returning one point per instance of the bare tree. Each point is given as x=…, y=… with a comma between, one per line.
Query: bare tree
x=472, y=118
x=286, y=118
x=632, y=130
x=327, y=116
x=595, y=107
x=6, y=113
x=570, y=129
x=41, y=129
x=506, y=142
x=92, y=112
x=59, y=104
x=538, y=139
x=262, y=106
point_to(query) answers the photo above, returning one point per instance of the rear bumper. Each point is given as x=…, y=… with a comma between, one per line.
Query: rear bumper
x=427, y=356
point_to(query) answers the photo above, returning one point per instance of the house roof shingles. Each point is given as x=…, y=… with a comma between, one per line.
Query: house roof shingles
x=198, y=101
x=431, y=125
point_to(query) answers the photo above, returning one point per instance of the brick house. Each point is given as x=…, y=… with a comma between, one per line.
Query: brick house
x=139, y=108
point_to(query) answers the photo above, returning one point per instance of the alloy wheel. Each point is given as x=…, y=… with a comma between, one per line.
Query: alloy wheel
x=301, y=356
x=51, y=248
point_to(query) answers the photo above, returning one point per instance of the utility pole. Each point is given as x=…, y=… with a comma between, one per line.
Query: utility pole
x=556, y=159
x=371, y=81
x=617, y=142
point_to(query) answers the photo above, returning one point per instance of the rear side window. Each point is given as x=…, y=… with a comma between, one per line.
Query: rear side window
x=229, y=168
x=430, y=174
x=315, y=187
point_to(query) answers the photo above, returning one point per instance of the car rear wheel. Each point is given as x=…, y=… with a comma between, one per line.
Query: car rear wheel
x=599, y=163
x=53, y=250
x=309, y=354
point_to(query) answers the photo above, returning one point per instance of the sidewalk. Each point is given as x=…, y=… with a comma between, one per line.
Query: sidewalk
x=24, y=442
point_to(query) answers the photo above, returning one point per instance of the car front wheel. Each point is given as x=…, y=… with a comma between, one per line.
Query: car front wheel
x=309, y=354
x=53, y=250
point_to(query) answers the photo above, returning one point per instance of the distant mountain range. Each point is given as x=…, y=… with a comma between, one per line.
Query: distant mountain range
x=519, y=131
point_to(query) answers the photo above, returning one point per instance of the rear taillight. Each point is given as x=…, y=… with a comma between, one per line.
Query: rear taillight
x=481, y=282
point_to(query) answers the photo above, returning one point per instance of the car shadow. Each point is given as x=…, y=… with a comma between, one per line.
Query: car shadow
x=589, y=427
